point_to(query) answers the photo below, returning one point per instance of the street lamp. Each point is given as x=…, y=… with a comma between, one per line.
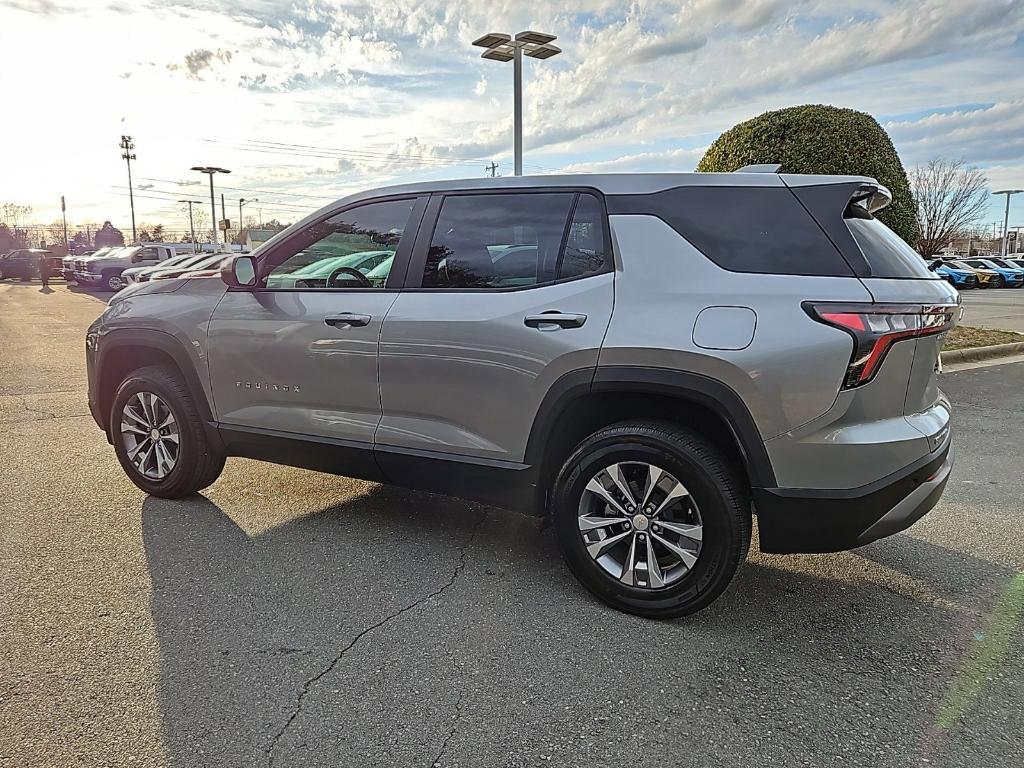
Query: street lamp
x=210, y=170
x=502, y=47
x=191, y=221
x=241, y=201
x=1006, y=216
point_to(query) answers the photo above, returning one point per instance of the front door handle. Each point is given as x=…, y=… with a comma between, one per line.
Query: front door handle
x=553, y=318
x=348, y=320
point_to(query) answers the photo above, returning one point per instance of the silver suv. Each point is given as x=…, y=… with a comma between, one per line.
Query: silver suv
x=646, y=359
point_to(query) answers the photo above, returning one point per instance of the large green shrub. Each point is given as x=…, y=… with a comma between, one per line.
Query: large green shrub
x=816, y=138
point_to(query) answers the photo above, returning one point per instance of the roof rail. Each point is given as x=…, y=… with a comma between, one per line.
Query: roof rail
x=760, y=168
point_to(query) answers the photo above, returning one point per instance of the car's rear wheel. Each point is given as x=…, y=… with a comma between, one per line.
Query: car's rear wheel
x=158, y=435
x=651, y=518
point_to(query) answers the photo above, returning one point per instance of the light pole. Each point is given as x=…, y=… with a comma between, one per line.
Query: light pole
x=128, y=156
x=242, y=201
x=502, y=47
x=210, y=170
x=191, y=221
x=1006, y=217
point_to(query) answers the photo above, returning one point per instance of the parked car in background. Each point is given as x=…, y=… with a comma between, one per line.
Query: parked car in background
x=208, y=270
x=68, y=262
x=961, y=278
x=105, y=270
x=23, y=264
x=1012, y=277
x=1017, y=260
x=1006, y=263
x=647, y=398
x=142, y=274
x=987, y=278
x=207, y=261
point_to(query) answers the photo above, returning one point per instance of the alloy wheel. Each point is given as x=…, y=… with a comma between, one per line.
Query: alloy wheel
x=149, y=433
x=115, y=283
x=640, y=525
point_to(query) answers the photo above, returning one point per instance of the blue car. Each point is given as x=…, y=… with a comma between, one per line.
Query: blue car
x=960, y=278
x=1007, y=263
x=1013, y=277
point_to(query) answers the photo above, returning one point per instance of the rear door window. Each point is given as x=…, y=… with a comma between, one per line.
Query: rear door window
x=506, y=240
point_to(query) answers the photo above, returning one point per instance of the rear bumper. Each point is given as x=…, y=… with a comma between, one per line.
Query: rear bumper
x=792, y=520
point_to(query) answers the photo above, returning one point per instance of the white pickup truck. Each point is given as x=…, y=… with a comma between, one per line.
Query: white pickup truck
x=105, y=269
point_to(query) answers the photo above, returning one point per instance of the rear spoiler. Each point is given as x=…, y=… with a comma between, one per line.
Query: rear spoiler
x=871, y=197
x=868, y=194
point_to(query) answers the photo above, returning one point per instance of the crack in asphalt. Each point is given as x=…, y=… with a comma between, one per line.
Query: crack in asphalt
x=436, y=762
x=308, y=685
x=45, y=414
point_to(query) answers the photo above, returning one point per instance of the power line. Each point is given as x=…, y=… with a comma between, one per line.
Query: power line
x=336, y=153
x=246, y=189
x=269, y=204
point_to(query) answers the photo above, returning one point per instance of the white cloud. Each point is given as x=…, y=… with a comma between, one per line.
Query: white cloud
x=398, y=87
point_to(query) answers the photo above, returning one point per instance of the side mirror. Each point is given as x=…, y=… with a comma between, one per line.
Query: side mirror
x=239, y=272
x=932, y=266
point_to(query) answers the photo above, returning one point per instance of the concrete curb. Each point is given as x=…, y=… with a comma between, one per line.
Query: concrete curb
x=973, y=354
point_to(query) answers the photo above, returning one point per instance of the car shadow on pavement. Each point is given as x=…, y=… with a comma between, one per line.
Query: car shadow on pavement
x=92, y=293
x=407, y=629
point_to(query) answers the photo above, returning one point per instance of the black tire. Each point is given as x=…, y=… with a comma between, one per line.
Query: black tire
x=198, y=463
x=713, y=483
x=999, y=282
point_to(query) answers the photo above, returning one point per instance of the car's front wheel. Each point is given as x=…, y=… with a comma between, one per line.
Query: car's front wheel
x=651, y=518
x=158, y=435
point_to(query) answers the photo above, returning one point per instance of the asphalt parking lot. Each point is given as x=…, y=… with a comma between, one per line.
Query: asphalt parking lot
x=1000, y=309
x=290, y=618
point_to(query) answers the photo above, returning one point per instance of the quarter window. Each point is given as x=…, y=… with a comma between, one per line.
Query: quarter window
x=354, y=249
x=584, y=252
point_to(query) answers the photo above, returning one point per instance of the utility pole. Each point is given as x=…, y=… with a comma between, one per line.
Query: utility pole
x=128, y=156
x=1006, y=218
x=64, y=216
x=209, y=170
x=224, y=217
x=242, y=201
x=191, y=221
x=493, y=168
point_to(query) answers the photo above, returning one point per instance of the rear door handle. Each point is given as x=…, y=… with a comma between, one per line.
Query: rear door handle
x=560, y=319
x=348, y=320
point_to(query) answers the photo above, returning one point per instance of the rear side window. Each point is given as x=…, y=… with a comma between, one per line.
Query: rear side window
x=886, y=252
x=743, y=229
x=515, y=240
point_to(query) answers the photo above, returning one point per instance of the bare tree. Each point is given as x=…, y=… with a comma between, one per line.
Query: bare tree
x=14, y=215
x=951, y=199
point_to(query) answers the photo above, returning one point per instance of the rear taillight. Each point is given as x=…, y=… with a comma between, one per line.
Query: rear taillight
x=876, y=327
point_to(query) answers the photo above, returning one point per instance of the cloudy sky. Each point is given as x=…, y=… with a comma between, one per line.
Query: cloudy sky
x=307, y=99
